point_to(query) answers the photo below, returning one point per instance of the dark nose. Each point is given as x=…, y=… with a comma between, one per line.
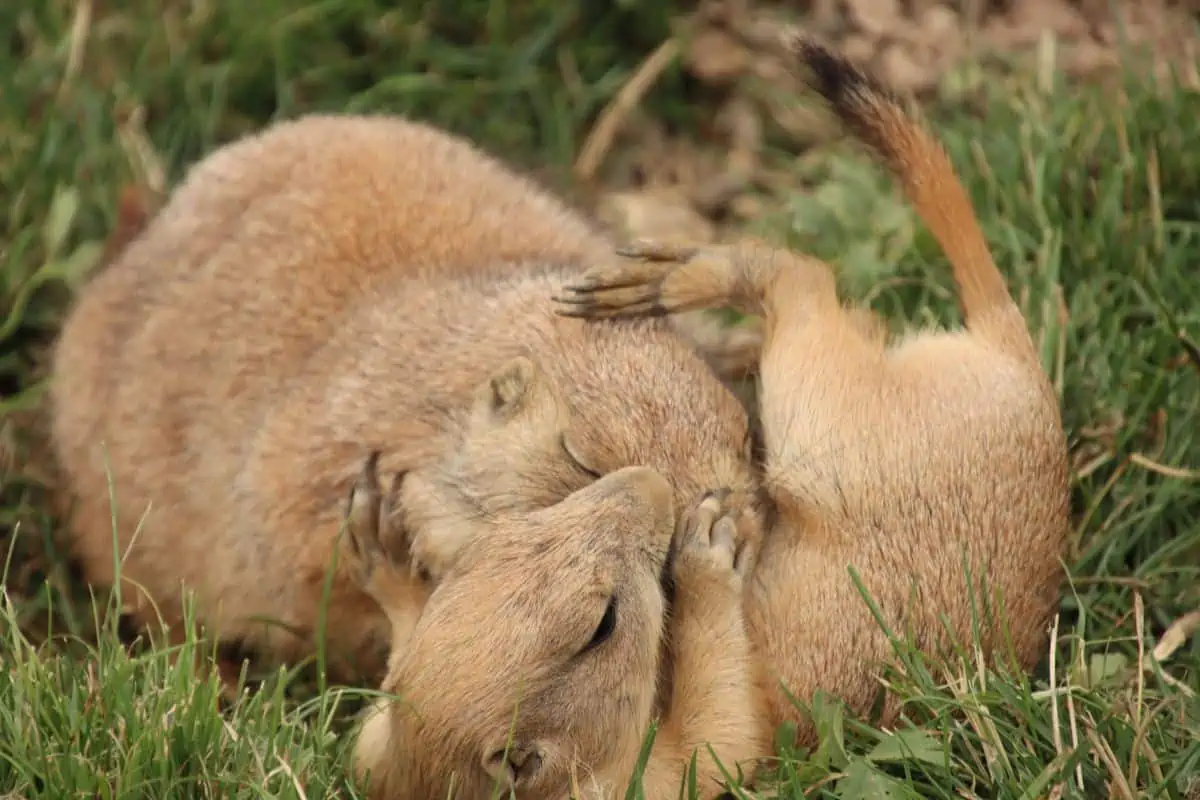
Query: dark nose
x=514, y=767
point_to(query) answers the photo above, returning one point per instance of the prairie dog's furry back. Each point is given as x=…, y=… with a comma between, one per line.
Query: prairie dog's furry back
x=182, y=357
x=329, y=286
x=334, y=287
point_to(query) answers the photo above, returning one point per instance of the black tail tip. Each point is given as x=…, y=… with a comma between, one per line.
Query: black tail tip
x=832, y=75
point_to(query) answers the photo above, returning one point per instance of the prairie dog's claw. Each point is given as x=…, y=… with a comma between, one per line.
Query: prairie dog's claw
x=713, y=541
x=651, y=279
x=658, y=250
x=616, y=289
x=368, y=512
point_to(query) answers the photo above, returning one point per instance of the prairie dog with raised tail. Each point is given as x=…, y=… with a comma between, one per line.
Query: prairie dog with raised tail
x=905, y=460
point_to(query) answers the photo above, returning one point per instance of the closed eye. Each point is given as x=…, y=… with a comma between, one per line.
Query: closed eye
x=604, y=631
x=562, y=442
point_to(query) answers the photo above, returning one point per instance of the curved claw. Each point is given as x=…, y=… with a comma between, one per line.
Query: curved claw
x=598, y=279
x=368, y=513
x=612, y=292
x=363, y=512
x=656, y=250
x=599, y=306
x=708, y=538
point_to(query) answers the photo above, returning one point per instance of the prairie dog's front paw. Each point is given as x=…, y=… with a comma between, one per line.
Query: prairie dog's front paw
x=615, y=290
x=653, y=278
x=715, y=546
x=368, y=516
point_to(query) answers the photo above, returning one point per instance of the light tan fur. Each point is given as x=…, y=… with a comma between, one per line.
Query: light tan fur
x=331, y=286
x=542, y=657
x=904, y=461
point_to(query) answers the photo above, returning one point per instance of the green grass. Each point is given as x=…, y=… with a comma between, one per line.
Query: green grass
x=1092, y=204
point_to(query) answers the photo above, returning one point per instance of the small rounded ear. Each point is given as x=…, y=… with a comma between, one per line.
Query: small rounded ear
x=519, y=390
x=641, y=498
x=506, y=389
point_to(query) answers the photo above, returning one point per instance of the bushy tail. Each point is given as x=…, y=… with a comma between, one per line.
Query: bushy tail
x=873, y=114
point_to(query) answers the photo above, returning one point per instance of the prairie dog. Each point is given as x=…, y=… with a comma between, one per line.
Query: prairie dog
x=330, y=286
x=537, y=663
x=904, y=461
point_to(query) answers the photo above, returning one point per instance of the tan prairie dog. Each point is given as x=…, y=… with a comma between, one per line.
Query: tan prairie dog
x=905, y=461
x=330, y=286
x=542, y=656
